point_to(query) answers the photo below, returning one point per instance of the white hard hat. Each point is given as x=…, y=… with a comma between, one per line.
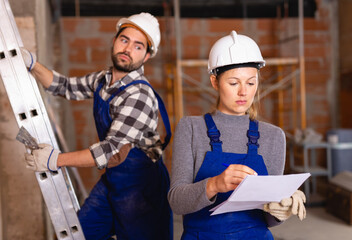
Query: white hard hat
x=148, y=24
x=234, y=49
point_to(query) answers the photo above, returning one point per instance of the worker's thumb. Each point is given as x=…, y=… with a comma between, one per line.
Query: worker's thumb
x=29, y=58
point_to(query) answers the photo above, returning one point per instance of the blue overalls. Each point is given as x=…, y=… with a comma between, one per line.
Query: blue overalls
x=130, y=200
x=248, y=224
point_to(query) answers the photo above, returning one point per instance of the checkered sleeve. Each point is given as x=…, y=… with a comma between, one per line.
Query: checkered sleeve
x=134, y=116
x=73, y=88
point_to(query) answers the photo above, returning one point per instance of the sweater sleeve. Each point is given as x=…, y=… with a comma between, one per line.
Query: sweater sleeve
x=274, y=157
x=273, y=148
x=184, y=195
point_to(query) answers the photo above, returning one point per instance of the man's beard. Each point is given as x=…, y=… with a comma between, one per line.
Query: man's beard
x=125, y=67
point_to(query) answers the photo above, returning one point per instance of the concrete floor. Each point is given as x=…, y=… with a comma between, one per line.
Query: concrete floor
x=319, y=225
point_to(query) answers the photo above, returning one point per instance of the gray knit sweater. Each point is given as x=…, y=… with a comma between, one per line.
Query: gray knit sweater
x=191, y=143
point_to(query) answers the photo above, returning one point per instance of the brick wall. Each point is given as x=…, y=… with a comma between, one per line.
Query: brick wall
x=86, y=44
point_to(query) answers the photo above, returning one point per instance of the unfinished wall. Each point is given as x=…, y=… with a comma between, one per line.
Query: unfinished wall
x=86, y=46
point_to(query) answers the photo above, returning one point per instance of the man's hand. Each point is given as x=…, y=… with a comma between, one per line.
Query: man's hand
x=42, y=159
x=288, y=206
x=29, y=58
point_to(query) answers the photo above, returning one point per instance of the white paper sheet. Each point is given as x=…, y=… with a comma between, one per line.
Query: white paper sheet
x=255, y=191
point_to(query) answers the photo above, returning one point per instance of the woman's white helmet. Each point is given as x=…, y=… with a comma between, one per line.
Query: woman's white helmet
x=234, y=49
x=148, y=24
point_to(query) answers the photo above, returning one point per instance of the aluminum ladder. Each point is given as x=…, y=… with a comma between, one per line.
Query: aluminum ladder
x=30, y=112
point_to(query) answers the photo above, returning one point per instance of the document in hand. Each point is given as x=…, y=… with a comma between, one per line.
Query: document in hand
x=255, y=191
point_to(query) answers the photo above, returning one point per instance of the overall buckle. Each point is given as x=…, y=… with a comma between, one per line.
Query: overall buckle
x=253, y=137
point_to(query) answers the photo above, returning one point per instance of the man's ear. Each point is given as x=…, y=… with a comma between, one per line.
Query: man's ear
x=214, y=82
x=147, y=56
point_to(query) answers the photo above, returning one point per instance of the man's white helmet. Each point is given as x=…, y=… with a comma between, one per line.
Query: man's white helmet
x=148, y=24
x=234, y=49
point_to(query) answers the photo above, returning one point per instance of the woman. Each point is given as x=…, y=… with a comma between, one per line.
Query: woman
x=214, y=153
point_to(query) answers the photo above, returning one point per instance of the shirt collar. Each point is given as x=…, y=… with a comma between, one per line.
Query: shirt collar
x=137, y=74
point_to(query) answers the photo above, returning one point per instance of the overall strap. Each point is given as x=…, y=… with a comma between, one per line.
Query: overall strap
x=253, y=136
x=213, y=133
x=101, y=84
x=120, y=89
x=162, y=109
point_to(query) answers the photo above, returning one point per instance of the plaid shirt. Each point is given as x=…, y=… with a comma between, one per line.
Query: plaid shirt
x=134, y=112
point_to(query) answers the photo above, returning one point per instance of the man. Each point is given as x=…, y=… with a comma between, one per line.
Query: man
x=129, y=200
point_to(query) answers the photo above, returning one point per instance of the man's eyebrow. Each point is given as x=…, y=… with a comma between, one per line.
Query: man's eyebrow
x=138, y=42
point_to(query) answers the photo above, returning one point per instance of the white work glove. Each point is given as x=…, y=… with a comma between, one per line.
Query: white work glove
x=29, y=58
x=42, y=159
x=286, y=207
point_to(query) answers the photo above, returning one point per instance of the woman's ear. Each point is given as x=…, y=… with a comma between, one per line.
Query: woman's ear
x=214, y=82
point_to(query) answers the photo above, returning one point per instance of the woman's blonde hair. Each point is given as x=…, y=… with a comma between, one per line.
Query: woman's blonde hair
x=254, y=108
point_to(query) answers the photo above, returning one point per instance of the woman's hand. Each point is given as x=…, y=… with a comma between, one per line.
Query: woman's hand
x=228, y=180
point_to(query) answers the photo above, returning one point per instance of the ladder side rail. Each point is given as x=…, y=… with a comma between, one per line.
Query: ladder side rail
x=22, y=117
x=18, y=39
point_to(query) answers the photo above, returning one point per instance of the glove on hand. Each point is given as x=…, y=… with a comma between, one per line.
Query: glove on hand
x=29, y=58
x=277, y=210
x=298, y=208
x=288, y=206
x=42, y=159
